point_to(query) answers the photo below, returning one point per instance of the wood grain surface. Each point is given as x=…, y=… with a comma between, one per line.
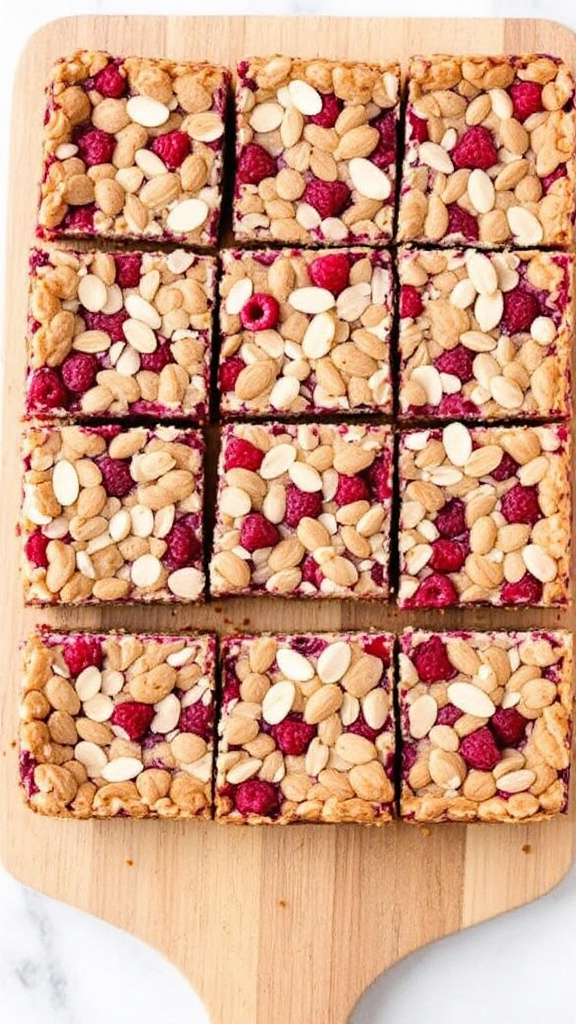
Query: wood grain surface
x=272, y=924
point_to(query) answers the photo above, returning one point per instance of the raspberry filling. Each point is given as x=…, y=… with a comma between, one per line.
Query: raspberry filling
x=260, y=312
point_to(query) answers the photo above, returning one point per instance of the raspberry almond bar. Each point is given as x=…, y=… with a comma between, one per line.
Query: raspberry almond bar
x=306, y=732
x=485, y=336
x=303, y=511
x=305, y=332
x=112, y=515
x=485, y=516
x=489, y=156
x=118, y=725
x=119, y=334
x=316, y=150
x=133, y=148
x=486, y=722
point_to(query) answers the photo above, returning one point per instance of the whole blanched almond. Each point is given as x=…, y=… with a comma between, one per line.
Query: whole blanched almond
x=323, y=703
x=233, y=569
x=422, y=715
x=358, y=142
x=255, y=379
x=368, y=179
x=470, y=699
x=305, y=98
x=121, y=769
x=483, y=460
x=334, y=662
x=354, y=749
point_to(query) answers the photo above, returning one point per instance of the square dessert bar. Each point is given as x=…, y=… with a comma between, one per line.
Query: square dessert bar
x=112, y=515
x=118, y=725
x=305, y=332
x=119, y=334
x=486, y=721
x=306, y=731
x=485, y=516
x=133, y=148
x=485, y=336
x=489, y=157
x=316, y=145
x=303, y=511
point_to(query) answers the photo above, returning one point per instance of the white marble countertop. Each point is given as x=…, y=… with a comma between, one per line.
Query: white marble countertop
x=55, y=962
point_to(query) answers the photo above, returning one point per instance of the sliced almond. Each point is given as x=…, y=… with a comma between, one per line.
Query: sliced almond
x=88, y=682
x=482, y=274
x=488, y=310
x=266, y=117
x=121, y=769
x=92, y=293
x=506, y=392
x=436, y=157
x=305, y=477
x=429, y=380
x=525, y=226
x=319, y=336
x=277, y=461
x=481, y=191
x=457, y=442
x=516, y=782
x=539, y=563
x=238, y=296
x=140, y=309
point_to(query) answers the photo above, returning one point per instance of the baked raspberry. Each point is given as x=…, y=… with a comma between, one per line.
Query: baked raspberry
x=311, y=572
x=35, y=549
x=79, y=371
x=410, y=301
x=549, y=179
x=82, y=651
x=230, y=370
x=361, y=728
x=110, y=323
x=27, y=767
x=475, y=148
x=256, y=797
x=128, y=269
x=330, y=272
x=385, y=152
x=379, y=476
x=479, y=750
x=196, y=718
x=520, y=309
x=508, y=467
x=183, y=547
x=301, y=503
x=461, y=222
x=447, y=556
x=431, y=661
x=379, y=647
x=80, y=218
x=448, y=715
x=109, y=82
x=242, y=454
x=293, y=737
x=350, y=488
x=135, y=718
x=258, y=532
x=526, y=99
x=260, y=313
x=528, y=590
x=157, y=360
x=451, y=520
x=46, y=390
x=116, y=475
x=454, y=407
x=419, y=127
x=520, y=505
x=459, y=362
x=95, y=147
x=172, y=148
x=327, y=197
x=255, y=164
x=331, y=110
x=508, y=726
x=435, y=591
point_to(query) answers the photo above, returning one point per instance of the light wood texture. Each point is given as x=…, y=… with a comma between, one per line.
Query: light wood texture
x=283, y=924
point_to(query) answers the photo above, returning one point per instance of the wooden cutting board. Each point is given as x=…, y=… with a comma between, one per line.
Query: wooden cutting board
x=283, y=924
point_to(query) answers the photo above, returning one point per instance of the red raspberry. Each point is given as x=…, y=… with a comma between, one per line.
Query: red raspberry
x=528, y=590
x=361, y=728
x=330, y=272
x=258, y=532
x=350, y=489
x=293, y=737
x=507, y=468
x=431, y=661
x=331, y=110
x=475, y=148
x=116, y=474
x=435, y=591
x=157, y=360
x=327, y=197
x=520, y=309
x=260, y=313
x=549, y=179
x=451, y=521
x=410, y=301
x=255, y=164
x=256, y=797
x=448, y=715
x=508, y=726
x=301, y=503
x=80, y=219
x=109, y=82
x=419, y=127
x=520, y=505
x=197, y=718
x=183, y=547
x=385, y=152
x=27, y=766
x=461, y=222
x=459, y=362
x=230, y=370
x=35, y=549
x=311, y=572
x=242, y=454
x=109, y=323
x=95, y=147
x=480, y=751
x=454, y=407
x=79, y=371
x=172, y=148
x=46, y=390
x=128, y=268
x=447, y=556
x=526, y=98
x=379, y=646
x=379, y=476
x=82, y=651
x=133, y=717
